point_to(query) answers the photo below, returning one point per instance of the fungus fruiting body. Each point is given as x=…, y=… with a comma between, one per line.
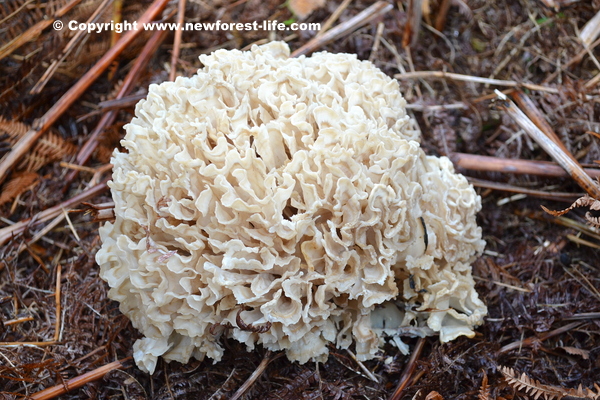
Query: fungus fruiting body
x=285, y=202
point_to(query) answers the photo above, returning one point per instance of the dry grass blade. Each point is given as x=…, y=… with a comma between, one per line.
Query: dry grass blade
x=558, y=196
x=475, y=79
x=590, y=31
x=376, y=10
x=550, y=147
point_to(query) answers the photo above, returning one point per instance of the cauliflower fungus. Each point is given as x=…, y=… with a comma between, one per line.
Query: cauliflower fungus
x=285, y=202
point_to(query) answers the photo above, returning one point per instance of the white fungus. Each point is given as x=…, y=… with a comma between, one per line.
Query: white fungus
x=286, y=202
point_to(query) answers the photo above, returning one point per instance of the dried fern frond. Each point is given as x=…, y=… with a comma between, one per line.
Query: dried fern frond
x=585, y=201
x=484, y=390
x=536, y=389
x=21, y=183
x=49, y=147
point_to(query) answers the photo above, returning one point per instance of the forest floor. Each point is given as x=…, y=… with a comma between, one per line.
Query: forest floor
x=539, y=275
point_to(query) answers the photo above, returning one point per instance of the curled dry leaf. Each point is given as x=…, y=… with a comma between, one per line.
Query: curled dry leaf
x=585, y=354
x=585, y=201
x=434, y=396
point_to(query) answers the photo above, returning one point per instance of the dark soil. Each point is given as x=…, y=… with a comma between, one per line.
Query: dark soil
x=533, y=277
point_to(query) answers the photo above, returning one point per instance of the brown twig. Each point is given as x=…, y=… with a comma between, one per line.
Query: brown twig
x=79, y=381
x=532, y=340
x=177, y=40
x=506, y=165
x=86, y=151
x=565, y=160
x=408, y=370
x=44, y=123
x=376, y=10
x=440, y=20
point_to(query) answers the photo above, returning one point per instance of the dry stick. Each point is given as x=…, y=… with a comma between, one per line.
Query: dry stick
x=532, y=340
x=10, y=231
x=536, y=116
x=590, y=30
x=255, y=375
x=57, y=301
x=354, y=23
x=413, y=23
x=79, y=381
x=558, y=196
x=86, y=151
x=440, y=21
x=35, y=30
x=476, y=79
x=408, y=370
x=494, y=164
x=336, y=14
x=177, y=40
x=565, y=161
x=44, y=123
x=17, y=321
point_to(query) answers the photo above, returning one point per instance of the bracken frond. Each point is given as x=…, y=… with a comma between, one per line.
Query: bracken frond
x=537, y=390
x=48, y=148
x=585, y=201
x=484, y=390
x=19, y=184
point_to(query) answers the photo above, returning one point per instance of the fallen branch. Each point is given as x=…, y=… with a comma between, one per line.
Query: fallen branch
x=510, y=166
